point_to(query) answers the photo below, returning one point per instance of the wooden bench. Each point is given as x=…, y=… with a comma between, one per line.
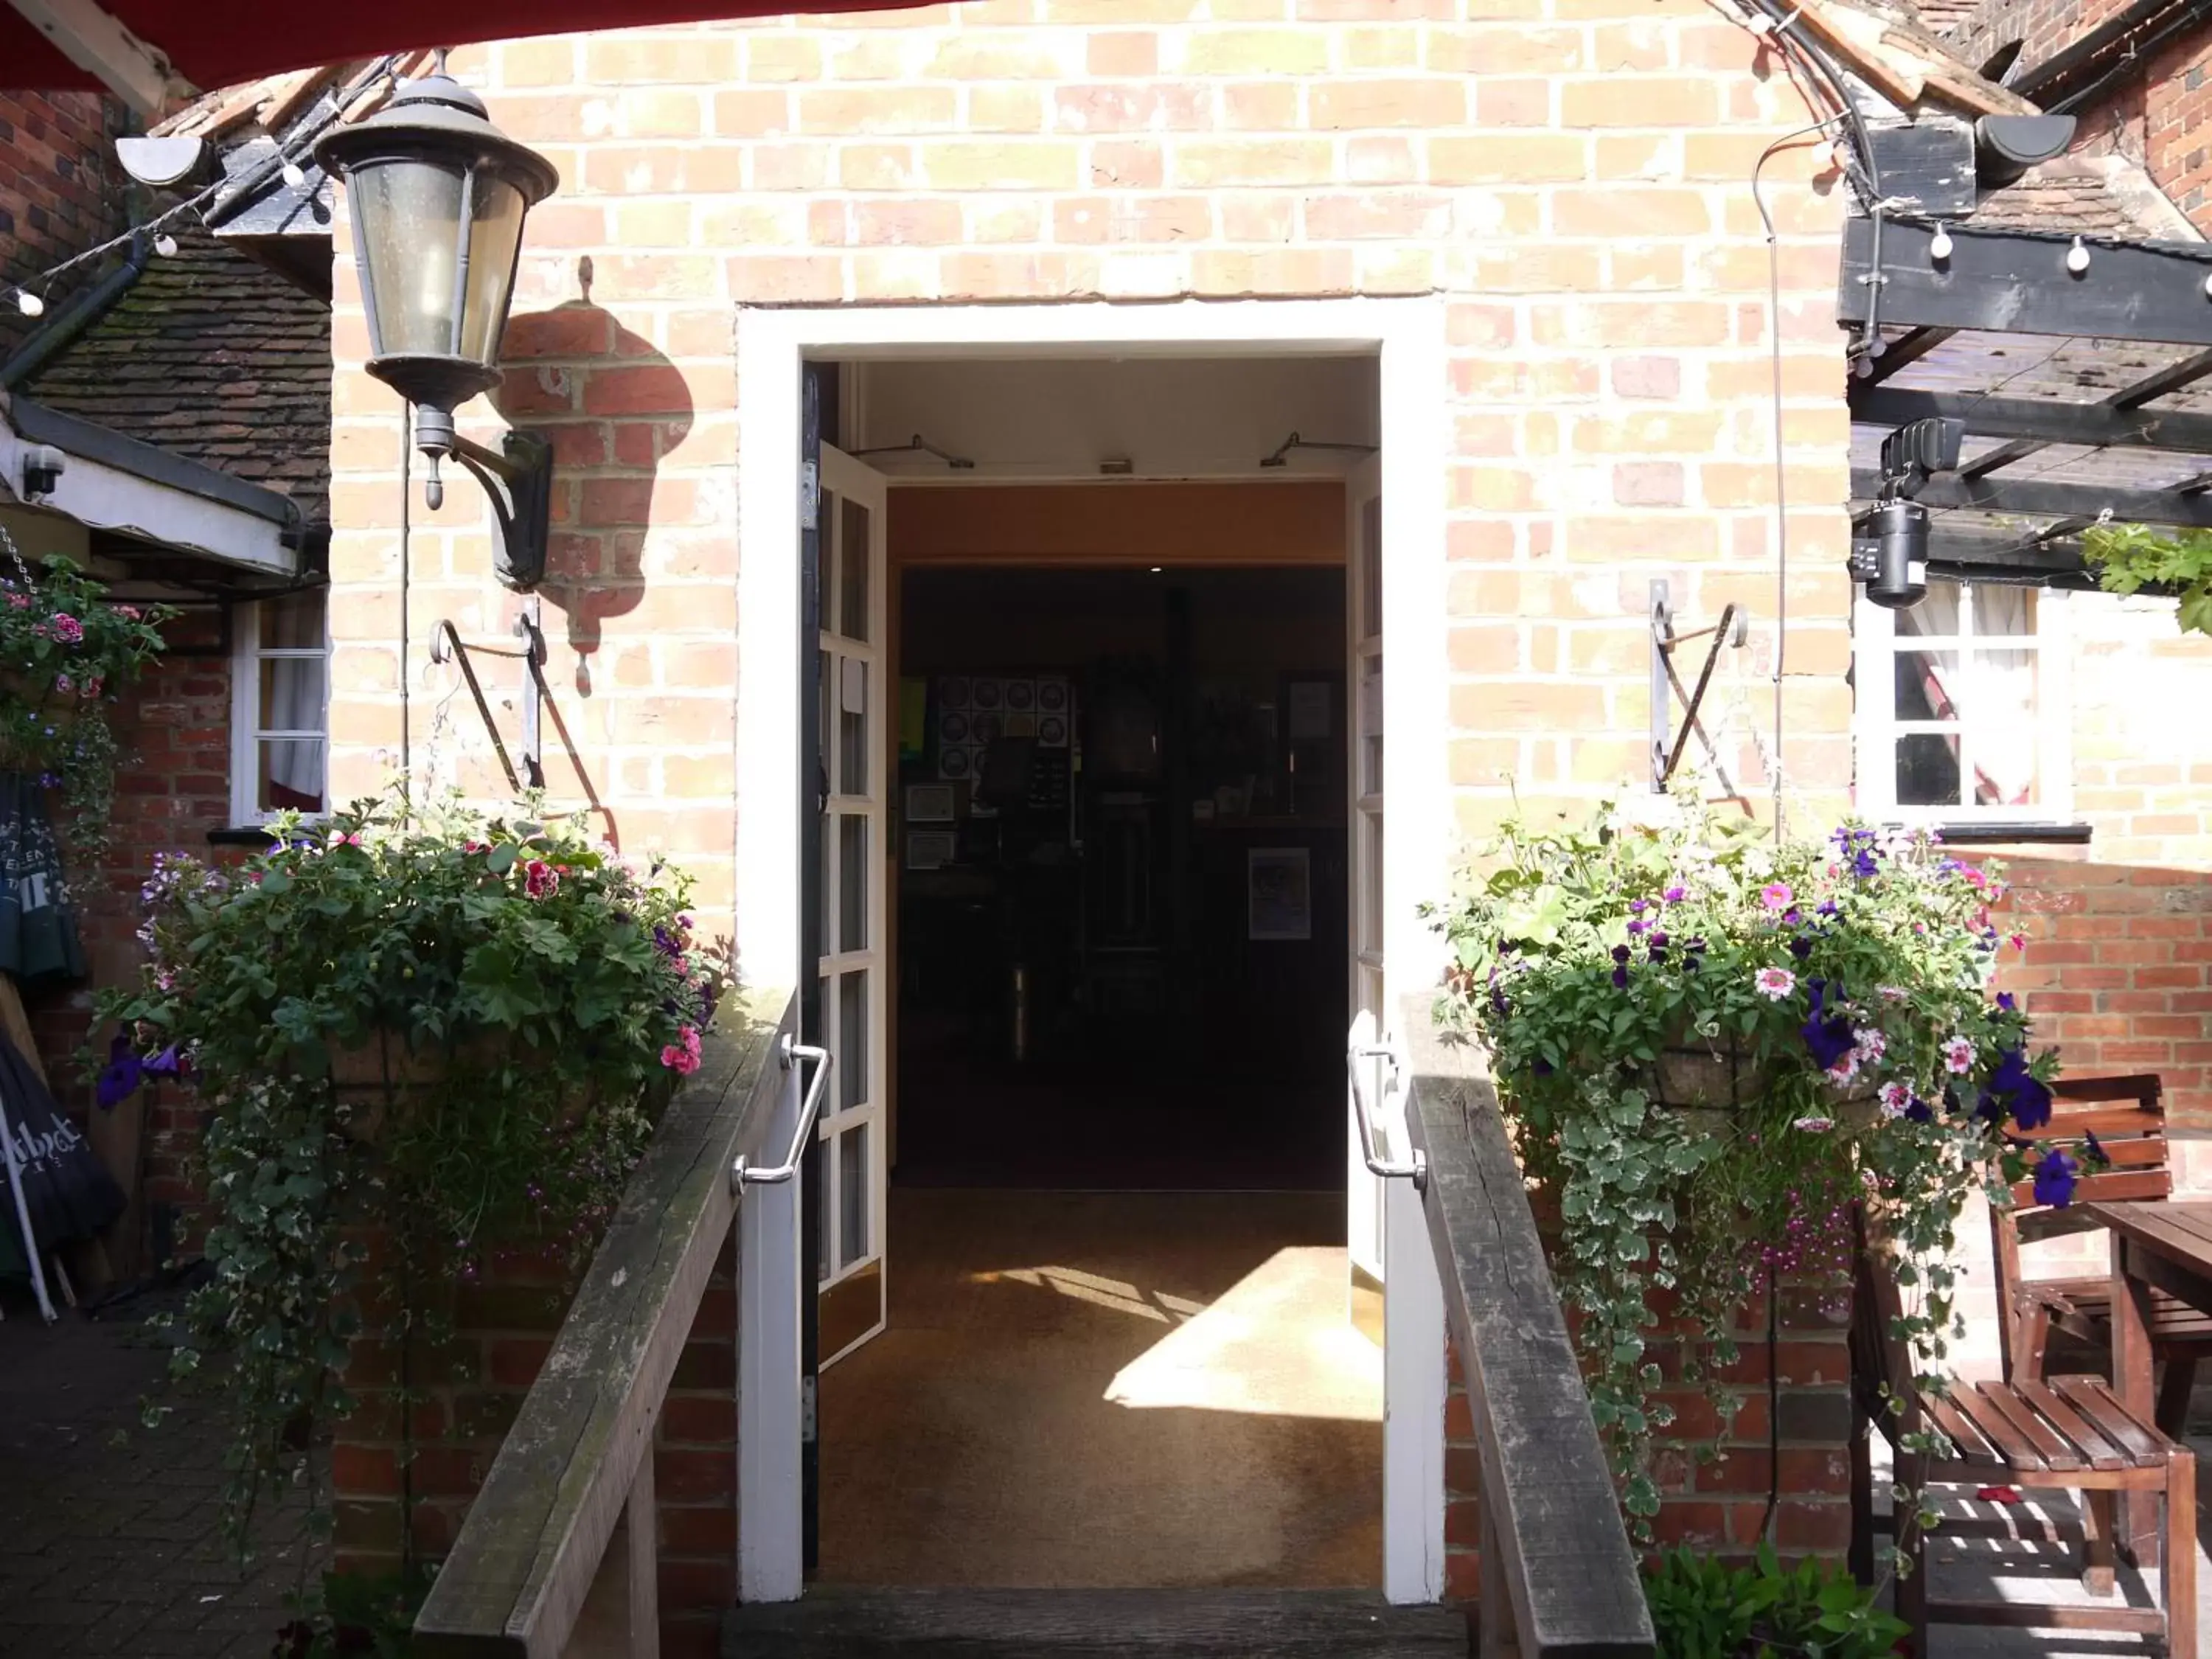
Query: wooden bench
x=2128, y=1116
x=2069, y=1433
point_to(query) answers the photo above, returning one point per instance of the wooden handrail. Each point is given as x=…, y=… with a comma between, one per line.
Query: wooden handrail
x=1560, y=1579
x=574, y=1474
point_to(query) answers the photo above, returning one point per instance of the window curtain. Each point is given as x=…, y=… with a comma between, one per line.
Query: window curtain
x=2003, y=700
x=1992, y=691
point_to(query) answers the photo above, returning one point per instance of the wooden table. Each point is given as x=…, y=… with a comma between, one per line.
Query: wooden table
x=2165, y=1246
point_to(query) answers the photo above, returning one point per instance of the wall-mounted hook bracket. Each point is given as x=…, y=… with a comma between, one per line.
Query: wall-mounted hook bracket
x=1668, y=740
x=446, y=646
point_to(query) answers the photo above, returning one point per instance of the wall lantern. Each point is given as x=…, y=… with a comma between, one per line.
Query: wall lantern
x=439, y=195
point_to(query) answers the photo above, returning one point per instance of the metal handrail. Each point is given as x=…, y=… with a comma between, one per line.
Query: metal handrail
x=1415, y=1169
x=743, y=1174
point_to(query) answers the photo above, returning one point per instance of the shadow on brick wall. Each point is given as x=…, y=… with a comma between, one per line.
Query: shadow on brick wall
x=612, y=406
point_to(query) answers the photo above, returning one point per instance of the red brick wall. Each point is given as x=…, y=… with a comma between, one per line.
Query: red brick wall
x=174, y=728
x=2118, y=971
x=1716, y=1503
x=467, y=1391
x=61, y=189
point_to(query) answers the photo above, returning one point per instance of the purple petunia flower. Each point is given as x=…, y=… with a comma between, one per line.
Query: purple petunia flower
x=2027, y=1096
x=2005, y=1001
x=167, y=1063
x=1675, y=894
x=2055, y=1177
x=1620, y=978
x=1828, y=1036
x=120, y=1077
x=2093, y=1149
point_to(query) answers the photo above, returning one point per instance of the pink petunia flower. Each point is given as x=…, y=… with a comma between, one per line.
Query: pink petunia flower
x=1870, y=1045
x=540, y=879
x=1959, y=1055
x=1815, y=1126
x=94, y=686
x=1776, y=895
x=64, y=685
x=1775, y=983
x=1895, y=1097
x=1845, y=1069
x=67, y=628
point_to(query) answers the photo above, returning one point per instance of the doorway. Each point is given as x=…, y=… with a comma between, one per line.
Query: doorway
x=1109, y=952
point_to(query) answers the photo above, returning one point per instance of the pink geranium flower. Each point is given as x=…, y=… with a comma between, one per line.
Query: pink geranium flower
x=540, y=879
x=1776, y=895
x=19, y=602
x=681, y=1059
x=67, y=628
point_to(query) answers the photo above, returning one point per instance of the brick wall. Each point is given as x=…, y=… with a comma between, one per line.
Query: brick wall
x=466, y=1392
x=1572, y=181
x=2158, y=117
x=173, y=729
x=61, y=189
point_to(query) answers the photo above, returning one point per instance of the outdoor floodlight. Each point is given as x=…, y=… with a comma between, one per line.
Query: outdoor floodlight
x=439, y=195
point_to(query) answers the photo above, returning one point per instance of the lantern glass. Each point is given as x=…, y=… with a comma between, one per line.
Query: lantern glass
x=407, y=215
x=495, y=237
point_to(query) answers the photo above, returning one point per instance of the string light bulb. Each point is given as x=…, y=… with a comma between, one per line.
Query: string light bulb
x=29, y=303
x=2077, y=258
x=1939, y=244
x=2208, y=287
x=166, y=245
x=294, y=175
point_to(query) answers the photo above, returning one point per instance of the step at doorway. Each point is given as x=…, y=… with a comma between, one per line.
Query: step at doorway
x=1017, y=1624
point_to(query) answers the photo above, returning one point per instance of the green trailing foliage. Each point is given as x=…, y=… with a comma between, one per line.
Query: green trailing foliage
x=1711, y=1049
x=1704, y=1608
x=66, y=657
x=448, y=1032
x=2130, y=557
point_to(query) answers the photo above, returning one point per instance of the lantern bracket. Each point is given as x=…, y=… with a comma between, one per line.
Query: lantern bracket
x=518, y=478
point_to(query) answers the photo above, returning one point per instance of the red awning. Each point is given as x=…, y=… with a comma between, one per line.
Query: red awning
x=219, y=43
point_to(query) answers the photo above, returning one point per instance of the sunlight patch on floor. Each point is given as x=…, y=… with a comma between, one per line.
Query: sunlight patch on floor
x=1279, y=1343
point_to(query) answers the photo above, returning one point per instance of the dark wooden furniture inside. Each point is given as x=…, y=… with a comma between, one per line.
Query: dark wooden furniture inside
x=2067, y=1433
x=2127, y=1115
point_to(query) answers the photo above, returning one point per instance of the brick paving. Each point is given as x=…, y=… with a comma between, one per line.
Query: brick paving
x=109, y=1532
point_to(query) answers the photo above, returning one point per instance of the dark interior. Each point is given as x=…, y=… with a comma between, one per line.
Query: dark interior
x=1121, y=913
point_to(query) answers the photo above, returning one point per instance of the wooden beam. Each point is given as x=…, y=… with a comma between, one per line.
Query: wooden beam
x=2091, y=425
x=530, y=1550
x=1129, y=525
x=2016, y=282
x=1905, y=349
x=1562, y=1551
x=95, y=40
x=2041, y=499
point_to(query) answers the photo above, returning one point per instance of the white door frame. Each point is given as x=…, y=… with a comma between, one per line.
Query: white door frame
x=1408, y=336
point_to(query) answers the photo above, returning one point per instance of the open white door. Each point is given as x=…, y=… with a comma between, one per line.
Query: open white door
x=1363, y=610
x=851, y=1168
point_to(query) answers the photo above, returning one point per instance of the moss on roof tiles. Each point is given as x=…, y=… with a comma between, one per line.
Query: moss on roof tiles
x=213, y=357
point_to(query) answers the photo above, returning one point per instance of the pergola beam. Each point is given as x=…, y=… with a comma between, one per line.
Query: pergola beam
x=2091, y=425
x=2016, y=282
x=1907, y=349
x=1955, y=491
x=93, y=40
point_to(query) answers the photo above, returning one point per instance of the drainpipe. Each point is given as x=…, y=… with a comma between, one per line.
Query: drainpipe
x=82, y=313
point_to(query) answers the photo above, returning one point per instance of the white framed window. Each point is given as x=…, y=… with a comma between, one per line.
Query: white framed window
x=280, y=705
x=1965, y=707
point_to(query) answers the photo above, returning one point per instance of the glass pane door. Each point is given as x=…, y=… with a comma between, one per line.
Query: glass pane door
x=854, y=705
